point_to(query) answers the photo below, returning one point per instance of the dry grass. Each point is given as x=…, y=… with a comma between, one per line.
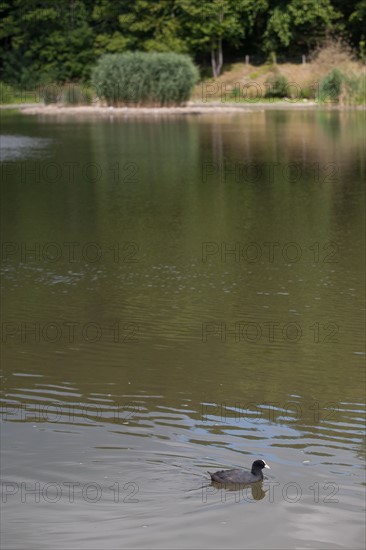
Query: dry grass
x=332, y=54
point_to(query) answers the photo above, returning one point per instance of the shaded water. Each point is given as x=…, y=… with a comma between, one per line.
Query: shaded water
x=180, y=295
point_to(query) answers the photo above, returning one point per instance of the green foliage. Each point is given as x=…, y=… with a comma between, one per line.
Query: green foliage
x=143, y=25
x=47, y=41
x=74, y=94
x=338, y=86
x=330, y=86
x=356, y=24
x=8, y=95
x=300, y=23
x=308, y=92
x=277, y=85
x=360, y=94
x=144, y=78
x=51, y=93
x=205, y=22
x=43, y=41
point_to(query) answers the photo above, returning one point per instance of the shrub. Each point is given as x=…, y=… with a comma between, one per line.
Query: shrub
x=345, y=88
x=276, y=86
x=360, y=95
x=74, y=94
x=144, y=78
x=307, y=91
x=330, y=86
x=51, y=93
x=8, y=94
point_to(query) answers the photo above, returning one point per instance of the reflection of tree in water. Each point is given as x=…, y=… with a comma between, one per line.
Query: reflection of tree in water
x=330, y=123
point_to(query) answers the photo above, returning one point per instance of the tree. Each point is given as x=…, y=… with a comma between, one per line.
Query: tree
x=357, y=26
x=299, y=23
x=138, y=25
x=209, y=24
x=46, y=41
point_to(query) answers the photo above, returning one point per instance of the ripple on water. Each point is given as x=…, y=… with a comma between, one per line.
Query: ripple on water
x=15, y=147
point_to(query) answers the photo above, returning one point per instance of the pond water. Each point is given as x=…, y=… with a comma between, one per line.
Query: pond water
x=183, y=294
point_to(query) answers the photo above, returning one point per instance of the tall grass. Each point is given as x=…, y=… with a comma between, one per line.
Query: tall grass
x=343, y=88
x=276, y=85
x=140, y=78
x=9, y=95
x=75, y=94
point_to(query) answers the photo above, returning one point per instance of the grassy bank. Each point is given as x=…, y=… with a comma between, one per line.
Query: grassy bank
x=11, y=96
x=330, y=76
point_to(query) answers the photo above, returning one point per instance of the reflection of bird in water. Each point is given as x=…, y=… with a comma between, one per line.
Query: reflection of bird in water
x=248, y=491
x=240, y=477
x=257, y=491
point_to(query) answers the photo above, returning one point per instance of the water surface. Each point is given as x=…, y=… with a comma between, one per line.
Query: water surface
x=182, y=294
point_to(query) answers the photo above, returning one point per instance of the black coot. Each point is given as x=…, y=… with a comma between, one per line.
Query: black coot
x=240, y=476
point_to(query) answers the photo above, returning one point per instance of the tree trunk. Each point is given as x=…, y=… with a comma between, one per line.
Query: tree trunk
x=221, y=57
x=217, y=58
x=213, y=61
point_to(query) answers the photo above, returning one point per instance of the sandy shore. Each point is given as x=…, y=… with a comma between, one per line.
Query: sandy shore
x=189, y=109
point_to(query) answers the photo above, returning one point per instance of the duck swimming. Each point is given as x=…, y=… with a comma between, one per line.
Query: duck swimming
x=240, y=476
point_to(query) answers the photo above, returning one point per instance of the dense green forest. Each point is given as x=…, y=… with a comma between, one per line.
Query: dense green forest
x=60, y=40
